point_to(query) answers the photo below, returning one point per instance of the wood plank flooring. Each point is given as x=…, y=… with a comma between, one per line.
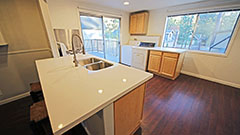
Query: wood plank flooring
x=190, y=106
x=14, y=117
x=186, y=106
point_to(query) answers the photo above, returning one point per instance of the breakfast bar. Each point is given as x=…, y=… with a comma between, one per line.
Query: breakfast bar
x=74, y=95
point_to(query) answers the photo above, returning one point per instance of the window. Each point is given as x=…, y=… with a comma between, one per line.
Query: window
x=209, y=32
x=101, y=36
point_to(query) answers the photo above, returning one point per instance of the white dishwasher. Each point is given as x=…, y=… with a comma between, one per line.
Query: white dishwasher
x=140, y=55
x=126, y=52
x=139, y=58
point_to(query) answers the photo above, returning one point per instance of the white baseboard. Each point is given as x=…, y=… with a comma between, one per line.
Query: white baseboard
x=11, y=99
x=211, y=79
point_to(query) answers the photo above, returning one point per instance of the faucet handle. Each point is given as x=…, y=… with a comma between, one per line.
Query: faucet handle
x=79, y=51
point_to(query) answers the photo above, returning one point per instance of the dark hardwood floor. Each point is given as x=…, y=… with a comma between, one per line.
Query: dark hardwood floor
x=186, y=106
x=14, y=117
x=190, y=106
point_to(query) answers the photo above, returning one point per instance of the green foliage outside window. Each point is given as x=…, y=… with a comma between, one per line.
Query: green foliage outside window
x=201, y=31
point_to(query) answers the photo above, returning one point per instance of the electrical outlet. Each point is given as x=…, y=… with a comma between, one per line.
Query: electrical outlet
x=1, y=93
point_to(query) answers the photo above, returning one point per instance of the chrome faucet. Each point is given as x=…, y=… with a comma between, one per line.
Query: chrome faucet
x=75, y=51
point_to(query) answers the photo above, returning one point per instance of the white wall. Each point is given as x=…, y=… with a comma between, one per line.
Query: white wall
x=65, y=15
x=222, y=69
x=23, y=29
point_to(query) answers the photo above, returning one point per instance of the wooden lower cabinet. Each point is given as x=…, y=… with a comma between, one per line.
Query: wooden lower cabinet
x=154, y=63
x=167, y=64
x=128, y=112
x=168, y=67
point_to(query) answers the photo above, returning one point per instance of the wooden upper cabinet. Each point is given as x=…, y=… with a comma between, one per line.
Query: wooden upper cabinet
x=133, y=22
x=139, y=23
x=169, y=64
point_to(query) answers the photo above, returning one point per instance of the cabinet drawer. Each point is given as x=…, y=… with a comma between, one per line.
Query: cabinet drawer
x=155, y=53
x=172, y=55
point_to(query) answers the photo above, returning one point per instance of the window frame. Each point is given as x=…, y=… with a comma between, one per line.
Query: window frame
x=230, y=42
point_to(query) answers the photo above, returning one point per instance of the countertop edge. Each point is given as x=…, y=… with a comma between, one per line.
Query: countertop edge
x=171, y=50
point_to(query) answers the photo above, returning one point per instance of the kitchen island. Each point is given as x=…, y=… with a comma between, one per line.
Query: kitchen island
x=75, y=94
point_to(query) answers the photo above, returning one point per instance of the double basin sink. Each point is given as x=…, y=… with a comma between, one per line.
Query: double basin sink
x=94, y=64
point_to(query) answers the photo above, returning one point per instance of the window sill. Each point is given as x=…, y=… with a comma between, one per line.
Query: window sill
x=208, y=53
x=204, y=53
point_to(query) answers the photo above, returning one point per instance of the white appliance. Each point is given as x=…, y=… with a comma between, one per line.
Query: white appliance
x=139, y=58
x=126, y=52
x=136, y=56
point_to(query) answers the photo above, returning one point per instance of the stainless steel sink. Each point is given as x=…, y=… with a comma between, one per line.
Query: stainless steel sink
x=94, y=64
x=98, y=65
x=88, y=61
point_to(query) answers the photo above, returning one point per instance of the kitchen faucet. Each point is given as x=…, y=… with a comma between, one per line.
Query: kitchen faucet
x=75, y=51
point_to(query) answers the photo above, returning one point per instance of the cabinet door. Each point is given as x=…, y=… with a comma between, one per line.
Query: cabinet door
x=168, y=66
x=128, y=111
x=140, y=23
x=154, y=63
x=133, y=24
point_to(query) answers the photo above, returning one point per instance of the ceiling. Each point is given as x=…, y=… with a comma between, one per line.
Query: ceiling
x=136, y=5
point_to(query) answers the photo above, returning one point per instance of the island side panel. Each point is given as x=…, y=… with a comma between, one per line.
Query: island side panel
x=128, y=111
x=108, y=116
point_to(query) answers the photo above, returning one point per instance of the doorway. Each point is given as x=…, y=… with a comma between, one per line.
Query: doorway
x=101, y=36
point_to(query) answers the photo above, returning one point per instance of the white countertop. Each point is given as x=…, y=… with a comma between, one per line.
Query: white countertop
x=71, y=93
x=173, y=50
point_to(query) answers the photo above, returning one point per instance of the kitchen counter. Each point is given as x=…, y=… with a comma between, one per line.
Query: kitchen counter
x=73, y=94
x=173, y=50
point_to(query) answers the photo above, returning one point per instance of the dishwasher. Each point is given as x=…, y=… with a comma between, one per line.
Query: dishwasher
x=126, y=52
x=140, y=55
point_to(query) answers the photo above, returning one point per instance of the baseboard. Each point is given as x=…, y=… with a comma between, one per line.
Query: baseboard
x=211, y=79
x=11, y=99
